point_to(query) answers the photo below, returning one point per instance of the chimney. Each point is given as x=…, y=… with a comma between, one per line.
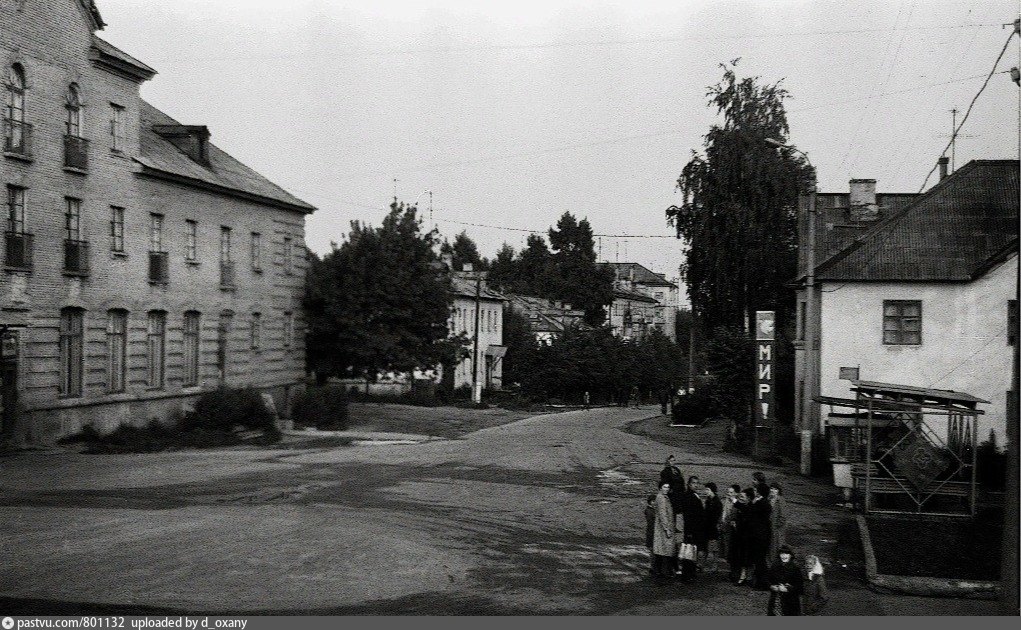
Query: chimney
x=863, y=200
x=192, y=140
x=943, y=161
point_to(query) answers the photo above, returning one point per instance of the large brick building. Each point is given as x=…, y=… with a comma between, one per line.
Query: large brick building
x=142, y=265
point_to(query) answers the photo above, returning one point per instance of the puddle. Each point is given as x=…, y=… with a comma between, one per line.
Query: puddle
x=614, y=477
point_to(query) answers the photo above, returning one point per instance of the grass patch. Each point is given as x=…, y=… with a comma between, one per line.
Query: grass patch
x=961, y=548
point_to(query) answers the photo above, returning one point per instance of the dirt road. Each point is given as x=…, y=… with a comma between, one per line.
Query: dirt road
x=542, y=515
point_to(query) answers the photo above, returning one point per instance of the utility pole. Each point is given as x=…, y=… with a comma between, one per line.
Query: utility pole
x=476, y=386
x=811, y=332
x=1009, y=563
x=953, y=141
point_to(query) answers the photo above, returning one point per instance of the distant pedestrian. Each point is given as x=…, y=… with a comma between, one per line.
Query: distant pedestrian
x=713, y=514
x=650, y=530
x=759, y=535
x=777, y=519
x=664, y=546
x=785, y=585
x=815, y=595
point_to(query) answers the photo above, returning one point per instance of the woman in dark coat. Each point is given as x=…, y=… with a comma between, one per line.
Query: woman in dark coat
x=713, y=514
x=786, y=584
x=742, y=544
x=693, y=508
x=759, y=535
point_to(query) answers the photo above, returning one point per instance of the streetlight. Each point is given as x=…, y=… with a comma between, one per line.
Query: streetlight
x=809, y=324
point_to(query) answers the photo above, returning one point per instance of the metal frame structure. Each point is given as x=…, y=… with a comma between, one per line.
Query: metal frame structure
x=898, y=413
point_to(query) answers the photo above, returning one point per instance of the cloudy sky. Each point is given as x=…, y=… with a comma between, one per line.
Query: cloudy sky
x=513, y=112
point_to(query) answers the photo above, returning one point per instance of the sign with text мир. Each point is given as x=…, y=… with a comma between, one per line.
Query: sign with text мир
x=765, y=381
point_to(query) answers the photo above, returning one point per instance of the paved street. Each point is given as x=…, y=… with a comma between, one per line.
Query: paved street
x=542, y=515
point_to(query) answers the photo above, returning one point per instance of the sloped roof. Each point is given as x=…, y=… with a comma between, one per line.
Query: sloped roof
x=462, y=283
x=642, y=275
x=953, y=233
x=106, y=48
x=161, y=158
x=634, y=297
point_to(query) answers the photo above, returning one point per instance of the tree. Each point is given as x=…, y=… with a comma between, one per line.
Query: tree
x=576, y=277
x=738, y=217
x=464, y=251
x=503, y=269
x=379, y=302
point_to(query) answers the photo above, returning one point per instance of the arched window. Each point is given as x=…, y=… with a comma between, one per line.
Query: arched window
x=14, y=112
x=74, y=111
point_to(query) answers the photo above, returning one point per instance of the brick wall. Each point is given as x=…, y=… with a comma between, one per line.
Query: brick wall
x=51, y=39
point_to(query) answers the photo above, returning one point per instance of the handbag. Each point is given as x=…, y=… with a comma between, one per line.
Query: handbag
x=688, y=551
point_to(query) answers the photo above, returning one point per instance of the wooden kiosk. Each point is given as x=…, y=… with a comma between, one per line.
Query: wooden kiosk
x=907, y=441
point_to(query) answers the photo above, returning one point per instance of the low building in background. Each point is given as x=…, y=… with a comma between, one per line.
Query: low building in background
x=642, y=301
x=547, y=318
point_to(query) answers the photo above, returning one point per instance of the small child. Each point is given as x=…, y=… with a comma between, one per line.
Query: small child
x=815, y=594
x=650, y=527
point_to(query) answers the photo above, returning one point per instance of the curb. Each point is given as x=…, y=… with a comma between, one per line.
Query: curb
x=924, y=586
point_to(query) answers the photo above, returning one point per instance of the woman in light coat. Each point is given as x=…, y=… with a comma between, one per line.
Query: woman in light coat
x=664, y=543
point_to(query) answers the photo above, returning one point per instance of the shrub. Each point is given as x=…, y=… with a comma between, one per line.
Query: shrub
x=324, y=407
x=225, y=408
x=695, y=407
x=991, y=464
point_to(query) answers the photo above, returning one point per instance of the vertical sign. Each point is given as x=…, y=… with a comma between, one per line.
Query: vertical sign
x=765, y=336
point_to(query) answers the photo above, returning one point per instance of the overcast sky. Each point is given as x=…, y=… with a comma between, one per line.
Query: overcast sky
x=512, y=113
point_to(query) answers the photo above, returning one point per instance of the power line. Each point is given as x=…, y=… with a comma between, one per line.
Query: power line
x=570, y=44
x=614, y=140
x=953, y=137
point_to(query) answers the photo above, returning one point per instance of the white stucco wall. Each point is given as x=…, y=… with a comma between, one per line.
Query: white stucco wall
x=964, y=339
x=462, y=320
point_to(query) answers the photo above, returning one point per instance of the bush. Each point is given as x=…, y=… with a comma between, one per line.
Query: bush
x=991, y=464
x=225, y=408
x=695, y=407
x=324, y=407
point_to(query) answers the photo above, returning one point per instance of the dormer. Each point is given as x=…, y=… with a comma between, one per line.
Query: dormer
x=192, y=140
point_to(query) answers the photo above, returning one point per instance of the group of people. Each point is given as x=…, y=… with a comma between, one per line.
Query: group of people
x=691, y=528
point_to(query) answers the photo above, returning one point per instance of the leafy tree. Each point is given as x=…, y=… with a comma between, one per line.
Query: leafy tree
x=738, y=217
x=380, y=301
x=521, y=347
x=464, y=251
x=576, y=277
x=503, y=269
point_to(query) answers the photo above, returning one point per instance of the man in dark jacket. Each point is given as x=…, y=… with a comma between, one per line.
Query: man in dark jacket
x=759, y=535
x=693, y=510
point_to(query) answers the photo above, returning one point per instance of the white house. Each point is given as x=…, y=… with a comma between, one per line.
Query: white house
x=471, y=295
x=921, y=298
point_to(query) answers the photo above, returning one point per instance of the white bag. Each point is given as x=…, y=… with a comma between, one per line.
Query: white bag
x=688, y=551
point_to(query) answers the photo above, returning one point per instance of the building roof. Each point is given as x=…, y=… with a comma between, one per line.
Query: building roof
x=955, y=232
x=544, y=317
x=462, y=283
x=634, y=297
x=917, y=394
x=161, y=158
x=116, y=59
x=642, y=275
